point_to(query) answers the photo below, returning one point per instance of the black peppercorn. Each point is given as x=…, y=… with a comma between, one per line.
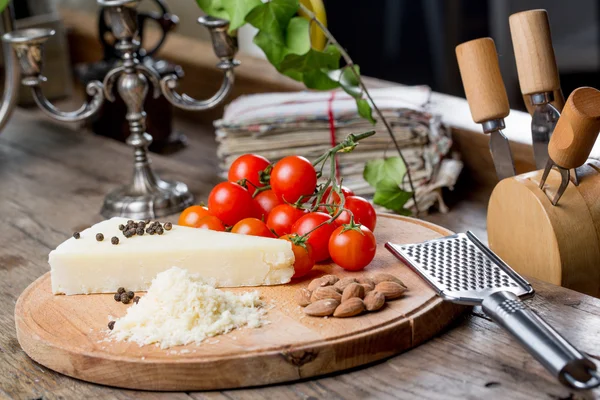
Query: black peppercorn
x=99, y=237
x=136, y=299
x=76, y=235
x=139, y=231
x=129, y=233
x=131, y=294
x=125, y=298
x=121, y=290
x=121, y=227
x=111, y=325
x=168, y=226
x=114, y=240
x=152, y=232
x=129, y=222
x=117, y=297
x=160, y=231
x=141, y=224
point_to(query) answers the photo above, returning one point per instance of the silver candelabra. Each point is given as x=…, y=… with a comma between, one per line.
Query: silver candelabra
x=146, y=196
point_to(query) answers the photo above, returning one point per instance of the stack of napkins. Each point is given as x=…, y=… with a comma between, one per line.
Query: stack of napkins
x=309, y=123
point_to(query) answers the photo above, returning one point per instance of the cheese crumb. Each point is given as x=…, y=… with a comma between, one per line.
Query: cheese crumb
x=180, y=308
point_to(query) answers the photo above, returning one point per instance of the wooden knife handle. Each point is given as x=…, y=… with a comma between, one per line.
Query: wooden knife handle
x=532, y=42
x=480, y=73
x=577, y=129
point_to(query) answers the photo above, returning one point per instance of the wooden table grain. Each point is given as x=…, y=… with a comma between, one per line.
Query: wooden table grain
x=52, y=181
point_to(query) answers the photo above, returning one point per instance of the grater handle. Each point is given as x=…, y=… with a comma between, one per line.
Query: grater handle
x=560, y=358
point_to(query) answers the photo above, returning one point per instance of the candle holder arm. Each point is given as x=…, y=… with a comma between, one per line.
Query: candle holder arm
x=94, y=89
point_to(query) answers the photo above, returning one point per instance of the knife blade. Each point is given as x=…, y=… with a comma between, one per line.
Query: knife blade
x=538, y=75
x=486, y=95
x=543, y=123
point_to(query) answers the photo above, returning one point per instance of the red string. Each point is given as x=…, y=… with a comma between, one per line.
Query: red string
x=332, y=131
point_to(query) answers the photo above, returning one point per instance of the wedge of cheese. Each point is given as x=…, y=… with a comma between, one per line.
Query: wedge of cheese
x=85, y=265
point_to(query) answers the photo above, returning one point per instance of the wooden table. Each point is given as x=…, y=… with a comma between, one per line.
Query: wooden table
x=52, y=181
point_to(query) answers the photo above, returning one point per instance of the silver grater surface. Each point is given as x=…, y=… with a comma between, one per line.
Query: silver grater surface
x=461, y=268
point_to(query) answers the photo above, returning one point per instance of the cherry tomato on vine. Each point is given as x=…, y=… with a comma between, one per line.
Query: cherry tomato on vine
x=265, y=202
x=252, y=227
x=304, y=259
x=248, y=166
x=352, y=249
x=335, y=198
x=363, y=212
x=212, y=223
x=282, y=218
x=292, y=178
x=319, y=238
x=231, y=203
x=192, y=215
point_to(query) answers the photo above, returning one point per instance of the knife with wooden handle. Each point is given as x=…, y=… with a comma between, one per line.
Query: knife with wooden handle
x=574, y=136
x=486, y=95
x=538, y=75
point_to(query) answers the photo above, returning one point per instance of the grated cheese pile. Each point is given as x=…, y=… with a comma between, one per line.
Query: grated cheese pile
x=180, y=308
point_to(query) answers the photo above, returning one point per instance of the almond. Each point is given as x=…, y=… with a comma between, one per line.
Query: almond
x=368, y=287
x=374, y=301
x=391, y=290
x=322, y=308
x=303, y=297
x=353, y=290
x=366, y=280
x=330, y=279
x=319, y=282
x=342, y=283
x=349, y=308
x=383, y=277
x=327, y=292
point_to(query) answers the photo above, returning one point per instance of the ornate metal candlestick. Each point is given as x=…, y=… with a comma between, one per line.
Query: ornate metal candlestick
x=146, y=196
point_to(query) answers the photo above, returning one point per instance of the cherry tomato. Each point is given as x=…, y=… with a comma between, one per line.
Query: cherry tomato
x=248, y=167
x=303, y=254
x=252, y=227
x=363, y=212
x=265, y=202
x=352, y=249
x=335, y=198
x=192, y=215
x=231, y=203
x=212, y=223
x=292, y=178
x=318, y=239
x=282, y=218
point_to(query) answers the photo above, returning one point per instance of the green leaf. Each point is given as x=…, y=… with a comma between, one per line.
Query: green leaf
x=364, y=110
x=297, y=36
x=389, y=169
x=272, y=19
x=389, y=195
x=311, y=60
x=318, y=80
x=213, y=8
x=237, y=10
x=348, y=80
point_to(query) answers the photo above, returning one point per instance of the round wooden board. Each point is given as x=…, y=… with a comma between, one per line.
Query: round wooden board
x=67, y=333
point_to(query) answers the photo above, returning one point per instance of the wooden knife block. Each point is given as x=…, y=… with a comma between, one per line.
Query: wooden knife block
x=557, y=244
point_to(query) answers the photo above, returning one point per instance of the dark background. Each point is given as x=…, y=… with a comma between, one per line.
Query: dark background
x=412, y=42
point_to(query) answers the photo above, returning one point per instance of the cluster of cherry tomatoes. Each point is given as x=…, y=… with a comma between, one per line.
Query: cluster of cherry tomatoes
x=279, y=201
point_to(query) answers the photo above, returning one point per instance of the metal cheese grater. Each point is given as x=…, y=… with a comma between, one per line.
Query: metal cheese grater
x=463, y=270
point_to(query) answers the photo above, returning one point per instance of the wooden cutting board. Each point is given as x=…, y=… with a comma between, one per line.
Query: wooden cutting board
x=67, y=333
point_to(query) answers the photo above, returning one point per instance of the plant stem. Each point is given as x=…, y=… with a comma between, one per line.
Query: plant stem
x=350, y=63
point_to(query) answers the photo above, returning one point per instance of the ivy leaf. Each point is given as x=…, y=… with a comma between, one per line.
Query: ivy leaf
x=272, y=19
x=237, y=10
x=311, y=60
x=392, y=168
x=389, y=195
x=297, y=38
x=364, y=110
x=347, y=80
x=318, y=80
x=214, y=8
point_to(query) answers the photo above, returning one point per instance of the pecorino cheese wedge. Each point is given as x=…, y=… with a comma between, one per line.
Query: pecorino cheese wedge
x=86, y=265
